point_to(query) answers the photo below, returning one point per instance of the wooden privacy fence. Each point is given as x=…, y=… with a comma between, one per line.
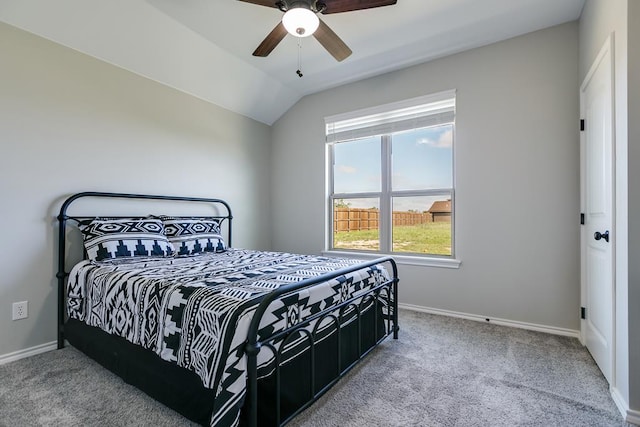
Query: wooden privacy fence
x=354, y=219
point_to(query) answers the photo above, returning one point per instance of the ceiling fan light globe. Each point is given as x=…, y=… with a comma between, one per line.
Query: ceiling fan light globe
x=300, y=22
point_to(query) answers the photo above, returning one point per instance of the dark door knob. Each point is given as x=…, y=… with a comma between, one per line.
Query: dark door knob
x=598, y=235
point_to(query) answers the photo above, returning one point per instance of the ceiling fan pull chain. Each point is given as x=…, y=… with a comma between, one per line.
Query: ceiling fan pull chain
x=299, y=70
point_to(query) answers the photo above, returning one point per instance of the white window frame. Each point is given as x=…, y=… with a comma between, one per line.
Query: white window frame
x=414, y=113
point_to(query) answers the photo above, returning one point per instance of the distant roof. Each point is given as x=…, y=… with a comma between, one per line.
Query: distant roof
x=440, y=206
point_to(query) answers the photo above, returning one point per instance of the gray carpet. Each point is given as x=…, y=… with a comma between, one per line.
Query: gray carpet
x=441, y=372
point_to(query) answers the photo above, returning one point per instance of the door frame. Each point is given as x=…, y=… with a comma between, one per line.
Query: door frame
x=607, y=48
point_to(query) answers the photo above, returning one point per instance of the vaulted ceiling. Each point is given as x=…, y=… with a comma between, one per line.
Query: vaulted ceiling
x=203, y=47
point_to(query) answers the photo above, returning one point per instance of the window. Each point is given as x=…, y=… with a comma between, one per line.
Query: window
x=390, y=178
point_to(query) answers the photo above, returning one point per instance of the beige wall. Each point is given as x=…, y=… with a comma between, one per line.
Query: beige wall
x=516, y=152
x=70, y=123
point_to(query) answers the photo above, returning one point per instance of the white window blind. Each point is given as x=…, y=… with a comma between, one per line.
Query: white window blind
x=421, y=112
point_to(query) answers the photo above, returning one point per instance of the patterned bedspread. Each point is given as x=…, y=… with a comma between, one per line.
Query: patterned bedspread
x=195, y=311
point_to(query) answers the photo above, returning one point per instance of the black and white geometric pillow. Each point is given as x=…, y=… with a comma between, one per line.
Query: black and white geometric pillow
x=106, y=239
x=191, y=236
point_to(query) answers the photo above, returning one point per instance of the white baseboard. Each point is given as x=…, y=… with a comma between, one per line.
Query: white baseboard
x=27, y=352
x=630, y=416
x=620, y=402
x=504, y=322
x=633, y=417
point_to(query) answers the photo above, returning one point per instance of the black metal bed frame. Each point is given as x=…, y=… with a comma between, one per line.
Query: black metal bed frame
x=387, y=291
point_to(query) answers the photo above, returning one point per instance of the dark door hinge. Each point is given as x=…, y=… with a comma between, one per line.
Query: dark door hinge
x=583, y=312
x=581, y=124
x=581, y=219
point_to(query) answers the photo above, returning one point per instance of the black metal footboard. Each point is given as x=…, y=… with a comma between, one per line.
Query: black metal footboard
x=383, y=293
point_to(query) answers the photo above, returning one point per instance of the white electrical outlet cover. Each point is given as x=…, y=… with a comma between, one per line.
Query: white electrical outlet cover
x=20, y=310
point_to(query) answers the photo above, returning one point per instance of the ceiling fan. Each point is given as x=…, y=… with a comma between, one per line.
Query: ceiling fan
x=301, y=20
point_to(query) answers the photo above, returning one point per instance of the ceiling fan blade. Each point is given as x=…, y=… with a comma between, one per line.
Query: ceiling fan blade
x=332, y=42
x=271, y=41
x=338, y=6
x=268, y=3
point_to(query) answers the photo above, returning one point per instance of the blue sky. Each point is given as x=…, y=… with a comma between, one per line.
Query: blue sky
x=422, y=159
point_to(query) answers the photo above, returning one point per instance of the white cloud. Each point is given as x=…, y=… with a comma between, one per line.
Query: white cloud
x=445, y=140
x=347, y=169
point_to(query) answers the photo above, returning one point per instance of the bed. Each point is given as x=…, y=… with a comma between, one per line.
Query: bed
x=222, y=335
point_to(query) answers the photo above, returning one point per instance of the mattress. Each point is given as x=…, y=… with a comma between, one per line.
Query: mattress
x=195, y=311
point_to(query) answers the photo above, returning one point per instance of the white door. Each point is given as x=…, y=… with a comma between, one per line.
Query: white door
x=596, y=102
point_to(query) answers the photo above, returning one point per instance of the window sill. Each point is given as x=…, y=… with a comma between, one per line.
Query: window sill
x=422, y=261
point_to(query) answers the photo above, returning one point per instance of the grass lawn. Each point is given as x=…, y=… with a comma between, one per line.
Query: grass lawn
x=430, y=238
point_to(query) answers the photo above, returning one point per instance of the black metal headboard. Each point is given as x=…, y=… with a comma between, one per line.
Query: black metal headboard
x=63, y=218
